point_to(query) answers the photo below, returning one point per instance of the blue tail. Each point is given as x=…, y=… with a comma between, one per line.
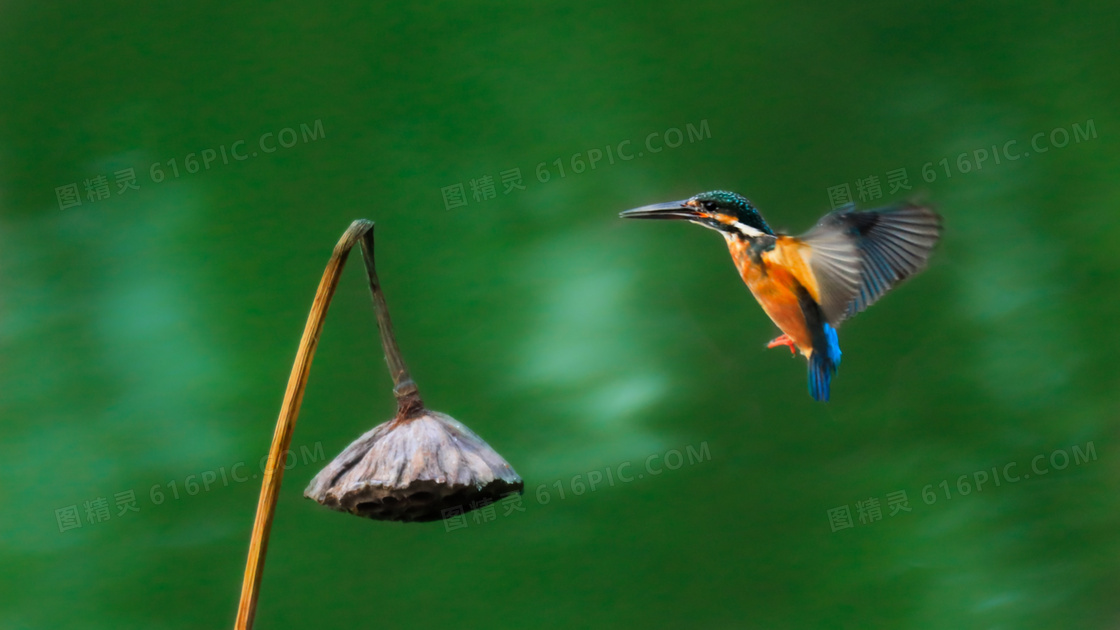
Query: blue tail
x=823, y=364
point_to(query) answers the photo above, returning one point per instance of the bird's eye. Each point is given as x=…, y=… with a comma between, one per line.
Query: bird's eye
x=709, y=205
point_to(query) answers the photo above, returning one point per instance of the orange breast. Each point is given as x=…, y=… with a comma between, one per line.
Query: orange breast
x=775, y=285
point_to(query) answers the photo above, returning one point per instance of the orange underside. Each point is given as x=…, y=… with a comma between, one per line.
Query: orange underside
x=774, y=284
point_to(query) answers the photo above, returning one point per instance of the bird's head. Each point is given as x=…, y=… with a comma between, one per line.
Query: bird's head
x=720, y=210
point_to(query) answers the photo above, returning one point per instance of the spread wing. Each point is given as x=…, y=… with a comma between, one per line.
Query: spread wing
x=856, y=257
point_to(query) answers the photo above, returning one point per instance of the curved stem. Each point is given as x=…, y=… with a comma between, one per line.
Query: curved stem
x=408, y=400
x=285, y=424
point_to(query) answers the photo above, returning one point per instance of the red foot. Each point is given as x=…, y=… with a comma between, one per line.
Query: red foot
x=784, y=340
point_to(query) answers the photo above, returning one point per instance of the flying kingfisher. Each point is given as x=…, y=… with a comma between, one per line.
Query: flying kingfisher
x=808, y=284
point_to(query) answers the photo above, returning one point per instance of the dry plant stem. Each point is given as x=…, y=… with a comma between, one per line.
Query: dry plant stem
x=289, y=410
x=408, y=396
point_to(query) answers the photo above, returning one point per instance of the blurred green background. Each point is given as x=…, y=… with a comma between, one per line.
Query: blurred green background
x=147, y=333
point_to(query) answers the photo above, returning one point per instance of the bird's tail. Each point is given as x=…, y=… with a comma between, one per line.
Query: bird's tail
x=823, y=363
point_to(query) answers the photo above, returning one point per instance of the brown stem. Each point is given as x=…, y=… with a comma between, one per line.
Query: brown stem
x=289, y=411
x=408, y=400
x=404, y=388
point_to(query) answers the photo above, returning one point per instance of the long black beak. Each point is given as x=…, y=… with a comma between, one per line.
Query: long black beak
x=670, y=210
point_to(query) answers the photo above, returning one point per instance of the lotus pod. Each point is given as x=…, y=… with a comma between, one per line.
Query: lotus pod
x=414, y=470
x=420, y=465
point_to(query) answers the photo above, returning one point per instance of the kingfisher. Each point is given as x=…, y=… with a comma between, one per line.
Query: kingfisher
x=809, y=284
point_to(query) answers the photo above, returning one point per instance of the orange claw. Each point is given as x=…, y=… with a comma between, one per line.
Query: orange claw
x=783, y=340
